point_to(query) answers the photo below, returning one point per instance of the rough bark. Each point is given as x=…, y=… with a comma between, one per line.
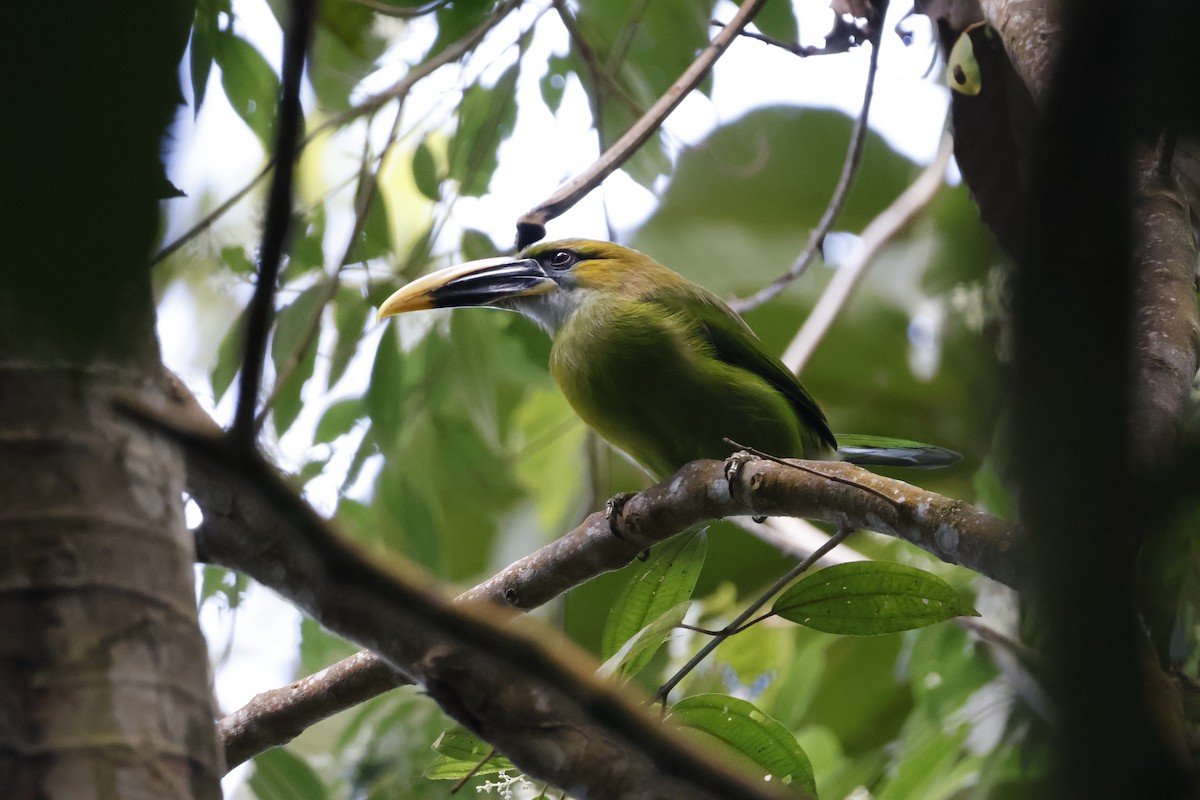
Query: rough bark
x=104, y=689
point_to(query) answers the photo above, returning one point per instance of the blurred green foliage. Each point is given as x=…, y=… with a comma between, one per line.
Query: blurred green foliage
x=444, y=439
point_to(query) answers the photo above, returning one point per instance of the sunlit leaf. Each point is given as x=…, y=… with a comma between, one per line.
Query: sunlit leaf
x=751, y=733
x=350, y=313
x=236, y=259
x=425, y=172
x=460, y=754
x=385, y=392
x=485, y=119
x=668, y=580
x=375, y=238
x=250, y=84
x=864, y=598
x=636, y=653
x=229, y=356
x=338, y=419
x=294, y=352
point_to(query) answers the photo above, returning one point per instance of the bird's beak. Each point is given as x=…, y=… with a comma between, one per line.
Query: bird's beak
x=475, y=283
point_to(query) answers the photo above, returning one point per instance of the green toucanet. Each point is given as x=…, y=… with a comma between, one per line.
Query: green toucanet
x=657, y=365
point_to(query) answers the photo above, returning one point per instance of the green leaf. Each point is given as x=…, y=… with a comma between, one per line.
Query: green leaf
x=455, y=20
x=636, y=653
x=424, y=169
x=385, y=391
x=236, y=259
x=250, y=84
x=338, y=419
x=459, y=754
x=778, y=20
x=306, y=253
x=295, y=323
x=375, y=239
x=349, y=320
x=485, y=119
x=345, y=46
x=224, y=583
x=750, y=732
x=281, y=775
x=667, y=581
x=865, y=598
x=204, y=31
x=229, y=357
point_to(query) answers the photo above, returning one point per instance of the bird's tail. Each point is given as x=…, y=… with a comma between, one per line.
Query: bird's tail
x=884, y=451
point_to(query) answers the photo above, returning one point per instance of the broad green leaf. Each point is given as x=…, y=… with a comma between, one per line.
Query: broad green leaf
x=250, y=84
x=306, y=252
x=865, y=598
x=297, y=322
x=550, y=441
x=667, y=581
x=236, y=259
x=350, y=312
x=311, y=469
x=385, y=391
x=485, y=119
x=455, y=20
x=407, y=522
x=750, y=732
x=225, y=583
x=778, y=20
x=459, y=754
x=345, y=46
x=281, y=775
x=425, y=172
x=204, y=31
x=375, y=238
x=229, y=357
x=319, y=647
x=636, y=653
x=756, y=185
x=338, y=419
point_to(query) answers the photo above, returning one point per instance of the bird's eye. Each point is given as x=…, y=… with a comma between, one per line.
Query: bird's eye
x=561, y=259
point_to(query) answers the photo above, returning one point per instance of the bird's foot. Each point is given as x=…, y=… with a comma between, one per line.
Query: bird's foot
x=612, y=511
x=733, y=472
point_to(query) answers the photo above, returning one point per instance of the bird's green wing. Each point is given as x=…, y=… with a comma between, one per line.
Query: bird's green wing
x=736, y=344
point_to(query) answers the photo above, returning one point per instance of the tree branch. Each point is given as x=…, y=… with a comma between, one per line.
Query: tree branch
x=236, y=529
x=531, y=694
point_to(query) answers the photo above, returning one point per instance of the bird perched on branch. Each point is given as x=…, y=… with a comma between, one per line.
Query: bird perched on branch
x=660, y=367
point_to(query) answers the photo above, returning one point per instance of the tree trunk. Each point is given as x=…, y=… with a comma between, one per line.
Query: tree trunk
x=104, y=691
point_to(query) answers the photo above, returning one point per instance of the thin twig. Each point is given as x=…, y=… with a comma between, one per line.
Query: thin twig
x=877, y=233
x=749, y=612
x=816, y=239
x=369, y=106
x=366, y=195
x=278, y=216
x=532, y=225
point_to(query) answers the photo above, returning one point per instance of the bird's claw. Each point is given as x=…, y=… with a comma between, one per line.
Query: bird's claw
x=734, y=464
x=733, y=472
x=612, y=511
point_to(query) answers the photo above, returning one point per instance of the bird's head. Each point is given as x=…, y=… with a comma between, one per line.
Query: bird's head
x=546, y=282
